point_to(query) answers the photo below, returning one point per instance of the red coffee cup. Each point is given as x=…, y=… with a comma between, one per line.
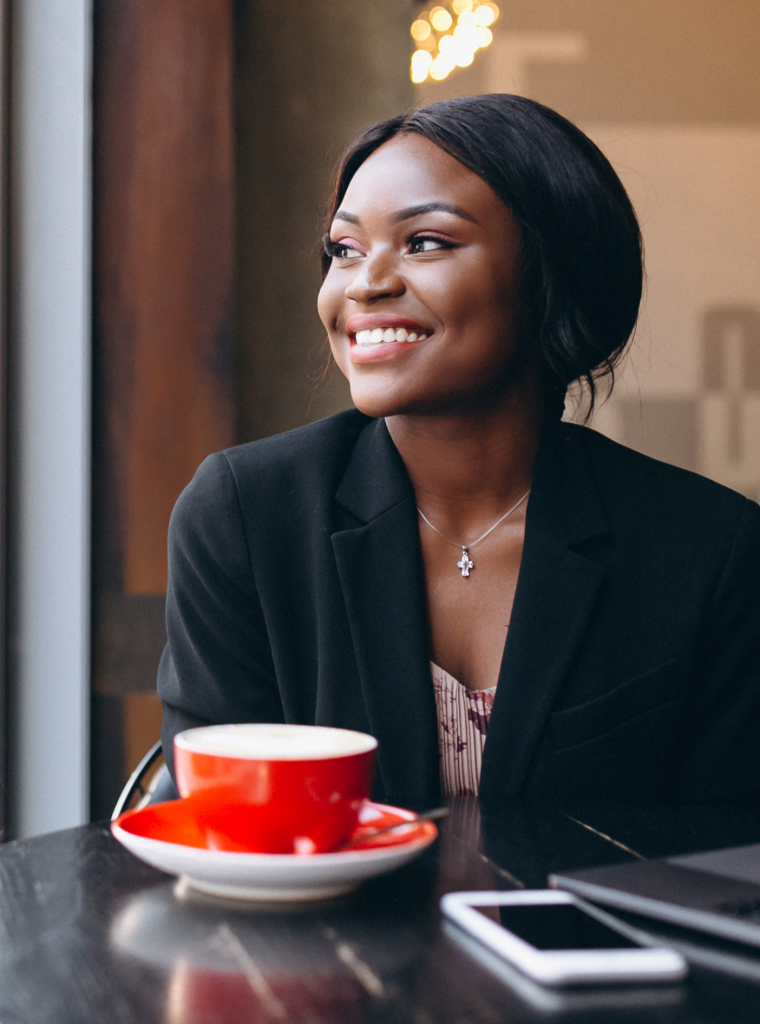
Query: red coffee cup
x=270, y=788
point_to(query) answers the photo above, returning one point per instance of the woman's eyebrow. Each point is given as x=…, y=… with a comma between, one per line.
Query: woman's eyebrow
x=413, y=211
x=345, y=215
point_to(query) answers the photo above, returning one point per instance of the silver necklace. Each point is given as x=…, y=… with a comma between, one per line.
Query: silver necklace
x=465, y=564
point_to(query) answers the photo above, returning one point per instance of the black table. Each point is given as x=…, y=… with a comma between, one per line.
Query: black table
x=89, y=934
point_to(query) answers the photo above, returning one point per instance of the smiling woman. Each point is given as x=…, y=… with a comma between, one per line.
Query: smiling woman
x=423, y=269
x=509, y=603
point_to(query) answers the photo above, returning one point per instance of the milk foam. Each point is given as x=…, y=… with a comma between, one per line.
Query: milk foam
x=264, y=742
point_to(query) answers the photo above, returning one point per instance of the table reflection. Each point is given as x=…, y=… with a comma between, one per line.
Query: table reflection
x=231, y=962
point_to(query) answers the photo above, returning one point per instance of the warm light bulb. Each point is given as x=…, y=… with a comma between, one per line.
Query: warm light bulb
x=440, y=19
x=420, y=30
x=467, y=18
x=447, y=44
x=419, y=74
x=492, y=10
x=465, y=57
x=468, y=36
x=460, y=6
x=443, y=64
x=478, y=37
x=421, y=59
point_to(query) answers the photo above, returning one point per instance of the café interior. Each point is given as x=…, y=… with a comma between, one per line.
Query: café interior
x=165, y=169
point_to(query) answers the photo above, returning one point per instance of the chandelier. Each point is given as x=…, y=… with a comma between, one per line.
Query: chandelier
x=448, y=37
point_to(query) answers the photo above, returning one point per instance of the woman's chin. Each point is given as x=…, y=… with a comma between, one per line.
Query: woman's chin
x=381, y=404
x=376, y=402
x=375, y=407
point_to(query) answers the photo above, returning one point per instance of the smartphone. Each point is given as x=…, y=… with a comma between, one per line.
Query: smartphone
x=559, y=940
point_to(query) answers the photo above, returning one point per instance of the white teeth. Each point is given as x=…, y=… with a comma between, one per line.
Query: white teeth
x=387, y=335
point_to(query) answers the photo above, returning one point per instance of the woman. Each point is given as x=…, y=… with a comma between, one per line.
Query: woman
x=450, y=559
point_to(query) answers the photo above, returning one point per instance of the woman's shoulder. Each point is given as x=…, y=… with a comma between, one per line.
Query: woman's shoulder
x=309, y=460
x=634, y=485
x=311, y=449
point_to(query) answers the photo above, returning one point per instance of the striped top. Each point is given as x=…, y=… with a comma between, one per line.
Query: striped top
x=463, y=717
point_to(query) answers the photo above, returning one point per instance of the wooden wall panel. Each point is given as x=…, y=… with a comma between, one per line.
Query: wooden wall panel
x=163, y=187
x=163, y=245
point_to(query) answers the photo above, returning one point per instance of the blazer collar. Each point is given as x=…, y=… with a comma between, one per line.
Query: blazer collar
x=557, y=588
x=375, y=479
x=380, y=569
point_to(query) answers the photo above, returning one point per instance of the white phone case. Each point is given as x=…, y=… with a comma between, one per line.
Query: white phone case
x=649, y=963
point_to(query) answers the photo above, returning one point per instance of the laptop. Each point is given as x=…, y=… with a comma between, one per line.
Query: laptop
x=717, y=892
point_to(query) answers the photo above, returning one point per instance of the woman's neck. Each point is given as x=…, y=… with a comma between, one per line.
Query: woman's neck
x=467, y=467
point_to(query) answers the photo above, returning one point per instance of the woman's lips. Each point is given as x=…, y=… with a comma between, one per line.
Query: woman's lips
x=377, y=353
x=380, y=336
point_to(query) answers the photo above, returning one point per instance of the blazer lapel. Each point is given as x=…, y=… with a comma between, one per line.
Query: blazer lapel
x=556, y=592
x=380, y=569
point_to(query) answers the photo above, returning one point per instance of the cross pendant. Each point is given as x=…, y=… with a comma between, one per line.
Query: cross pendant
x=465, y=565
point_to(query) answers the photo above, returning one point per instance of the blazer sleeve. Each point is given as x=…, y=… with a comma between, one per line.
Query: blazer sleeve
x=722, y=757
x=217, y=665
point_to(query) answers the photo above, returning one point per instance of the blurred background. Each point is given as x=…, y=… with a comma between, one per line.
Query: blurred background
x=165, y=167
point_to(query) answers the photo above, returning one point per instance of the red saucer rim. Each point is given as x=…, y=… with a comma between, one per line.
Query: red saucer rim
x=423, y=834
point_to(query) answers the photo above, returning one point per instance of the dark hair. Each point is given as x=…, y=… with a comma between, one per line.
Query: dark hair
x=582, y=252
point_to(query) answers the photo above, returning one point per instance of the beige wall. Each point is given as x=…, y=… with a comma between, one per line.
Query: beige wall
x=690, y=390
x=670, y=92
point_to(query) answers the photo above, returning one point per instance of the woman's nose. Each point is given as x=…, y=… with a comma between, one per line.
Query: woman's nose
x=376, y=277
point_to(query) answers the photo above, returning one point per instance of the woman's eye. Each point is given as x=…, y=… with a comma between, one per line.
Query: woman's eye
x=418, y=245
x=346, y=252
x=340, y=250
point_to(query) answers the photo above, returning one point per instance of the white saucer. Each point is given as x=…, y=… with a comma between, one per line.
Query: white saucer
x=271, y=877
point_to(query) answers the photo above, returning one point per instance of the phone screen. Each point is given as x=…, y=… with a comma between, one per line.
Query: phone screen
x=556, y=926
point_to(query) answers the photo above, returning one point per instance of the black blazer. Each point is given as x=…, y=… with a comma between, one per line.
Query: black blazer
x=632, y=666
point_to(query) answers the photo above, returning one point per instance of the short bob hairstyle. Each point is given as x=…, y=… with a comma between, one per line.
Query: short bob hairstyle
x=582, y=264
